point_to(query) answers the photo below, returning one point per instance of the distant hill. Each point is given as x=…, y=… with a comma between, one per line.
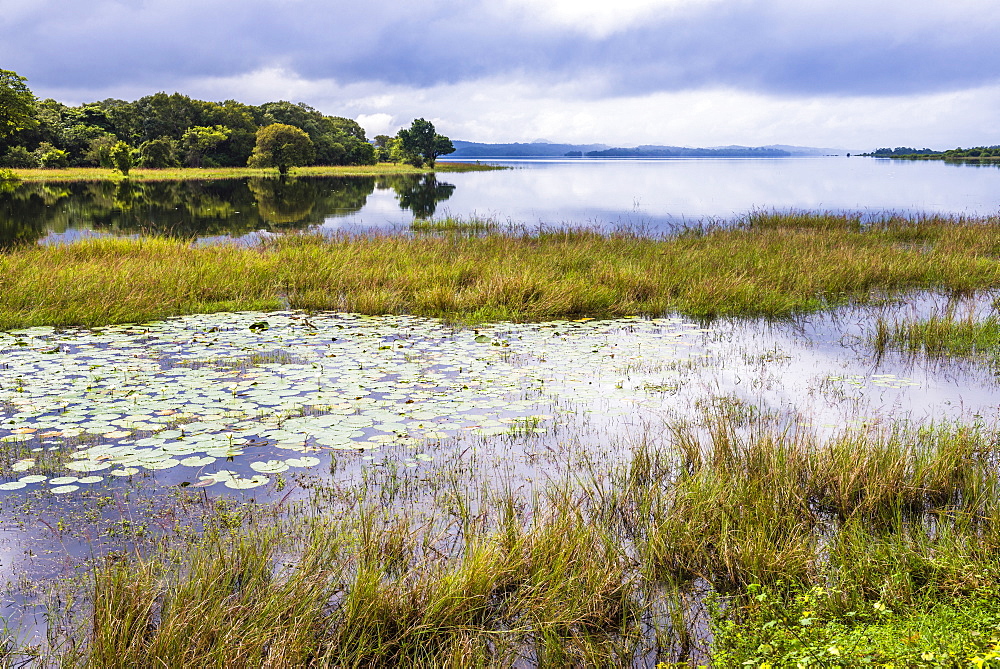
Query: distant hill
x=806, y=150
x=543, y=149
x=651, y=151
x=518, y=150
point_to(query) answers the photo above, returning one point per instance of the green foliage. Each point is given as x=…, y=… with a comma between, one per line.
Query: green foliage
x=383, y=144
x=421, y=144
x=978, y=153
x=158, y=153
x=122, y=157
x=205, y=134
x=17, y=104
x=19, y=156
x=773, y=627
x=50, y=156
x=198, y=140
x=282, y=146
x=99, y=150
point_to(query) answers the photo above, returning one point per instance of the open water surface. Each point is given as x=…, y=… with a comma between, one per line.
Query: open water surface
x=653, y=195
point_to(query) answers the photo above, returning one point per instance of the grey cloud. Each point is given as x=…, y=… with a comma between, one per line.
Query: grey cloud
x=773, y=46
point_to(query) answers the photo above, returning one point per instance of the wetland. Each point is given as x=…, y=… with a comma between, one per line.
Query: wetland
x=769, y=439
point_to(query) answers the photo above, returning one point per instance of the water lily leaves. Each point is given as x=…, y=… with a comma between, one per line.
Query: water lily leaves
x=198, y=461
x=269, y=466
x=90, y=479
x=238, y=483
x=32, y=478
x=166, y=463
x=63, y=480
x=250, y=387
x=13, y=485
x=87, y=465
x=306, y=461
x=63, y=489
x=23, y=465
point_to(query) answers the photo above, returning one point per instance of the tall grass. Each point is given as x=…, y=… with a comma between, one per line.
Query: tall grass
x=596, y=568
x=941, y=335
x=769, y=270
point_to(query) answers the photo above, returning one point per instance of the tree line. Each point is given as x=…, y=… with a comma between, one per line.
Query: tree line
x=175, y=130
x=949, y=154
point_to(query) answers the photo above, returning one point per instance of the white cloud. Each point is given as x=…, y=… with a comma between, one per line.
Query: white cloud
x=518, y=109
x=377, y=124
x=599, y=18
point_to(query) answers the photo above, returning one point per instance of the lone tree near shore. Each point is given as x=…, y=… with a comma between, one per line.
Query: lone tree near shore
x=421, y=143
x=282, y=146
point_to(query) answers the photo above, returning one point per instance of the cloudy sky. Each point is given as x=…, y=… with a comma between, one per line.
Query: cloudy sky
x=854, y=74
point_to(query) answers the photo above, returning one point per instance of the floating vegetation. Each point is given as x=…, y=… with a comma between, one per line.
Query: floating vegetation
x=126, y=399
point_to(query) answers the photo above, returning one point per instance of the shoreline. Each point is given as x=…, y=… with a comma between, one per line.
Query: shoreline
x=212, y=173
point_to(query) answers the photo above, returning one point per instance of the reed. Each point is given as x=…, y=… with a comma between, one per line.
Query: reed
x=773, y=271
x=940, y=336
x=859, y=533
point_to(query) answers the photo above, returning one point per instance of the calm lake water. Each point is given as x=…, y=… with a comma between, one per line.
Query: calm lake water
x=656, y=195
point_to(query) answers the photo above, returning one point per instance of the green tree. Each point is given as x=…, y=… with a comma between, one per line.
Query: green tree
x=421, y=143
x=121, y=157
x=158, y=153
x=383, y=146
x=99, y=150
x=17, y=104
x=18, y=156
x=198, y=140
x=282, y=146
x=50, y=156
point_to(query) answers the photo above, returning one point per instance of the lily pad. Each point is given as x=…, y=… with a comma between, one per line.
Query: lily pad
x=306, y=461
x=269, y=466
x=238, y=483
x=63, y=480
x=63, y=489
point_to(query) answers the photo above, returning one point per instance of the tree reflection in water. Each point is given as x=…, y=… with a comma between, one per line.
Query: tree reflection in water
x=194, y=208
x=419, y=193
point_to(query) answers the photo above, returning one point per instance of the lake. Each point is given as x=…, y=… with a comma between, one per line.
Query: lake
x=654, y=195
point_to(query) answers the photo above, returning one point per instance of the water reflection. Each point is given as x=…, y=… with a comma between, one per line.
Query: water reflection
x=419, y=195
x=191, y=209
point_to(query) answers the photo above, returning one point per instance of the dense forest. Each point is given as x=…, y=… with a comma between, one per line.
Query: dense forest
x=175, y=130
x=975, y=153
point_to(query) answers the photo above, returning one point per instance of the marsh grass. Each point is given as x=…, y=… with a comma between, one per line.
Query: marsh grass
x=175, y=174
x=773, y=270
x=941, y=336
x=860, y=533
x=473, y=226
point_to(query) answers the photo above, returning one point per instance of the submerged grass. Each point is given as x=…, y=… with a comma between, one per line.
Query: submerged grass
x=792, y=263
x=818, y=550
